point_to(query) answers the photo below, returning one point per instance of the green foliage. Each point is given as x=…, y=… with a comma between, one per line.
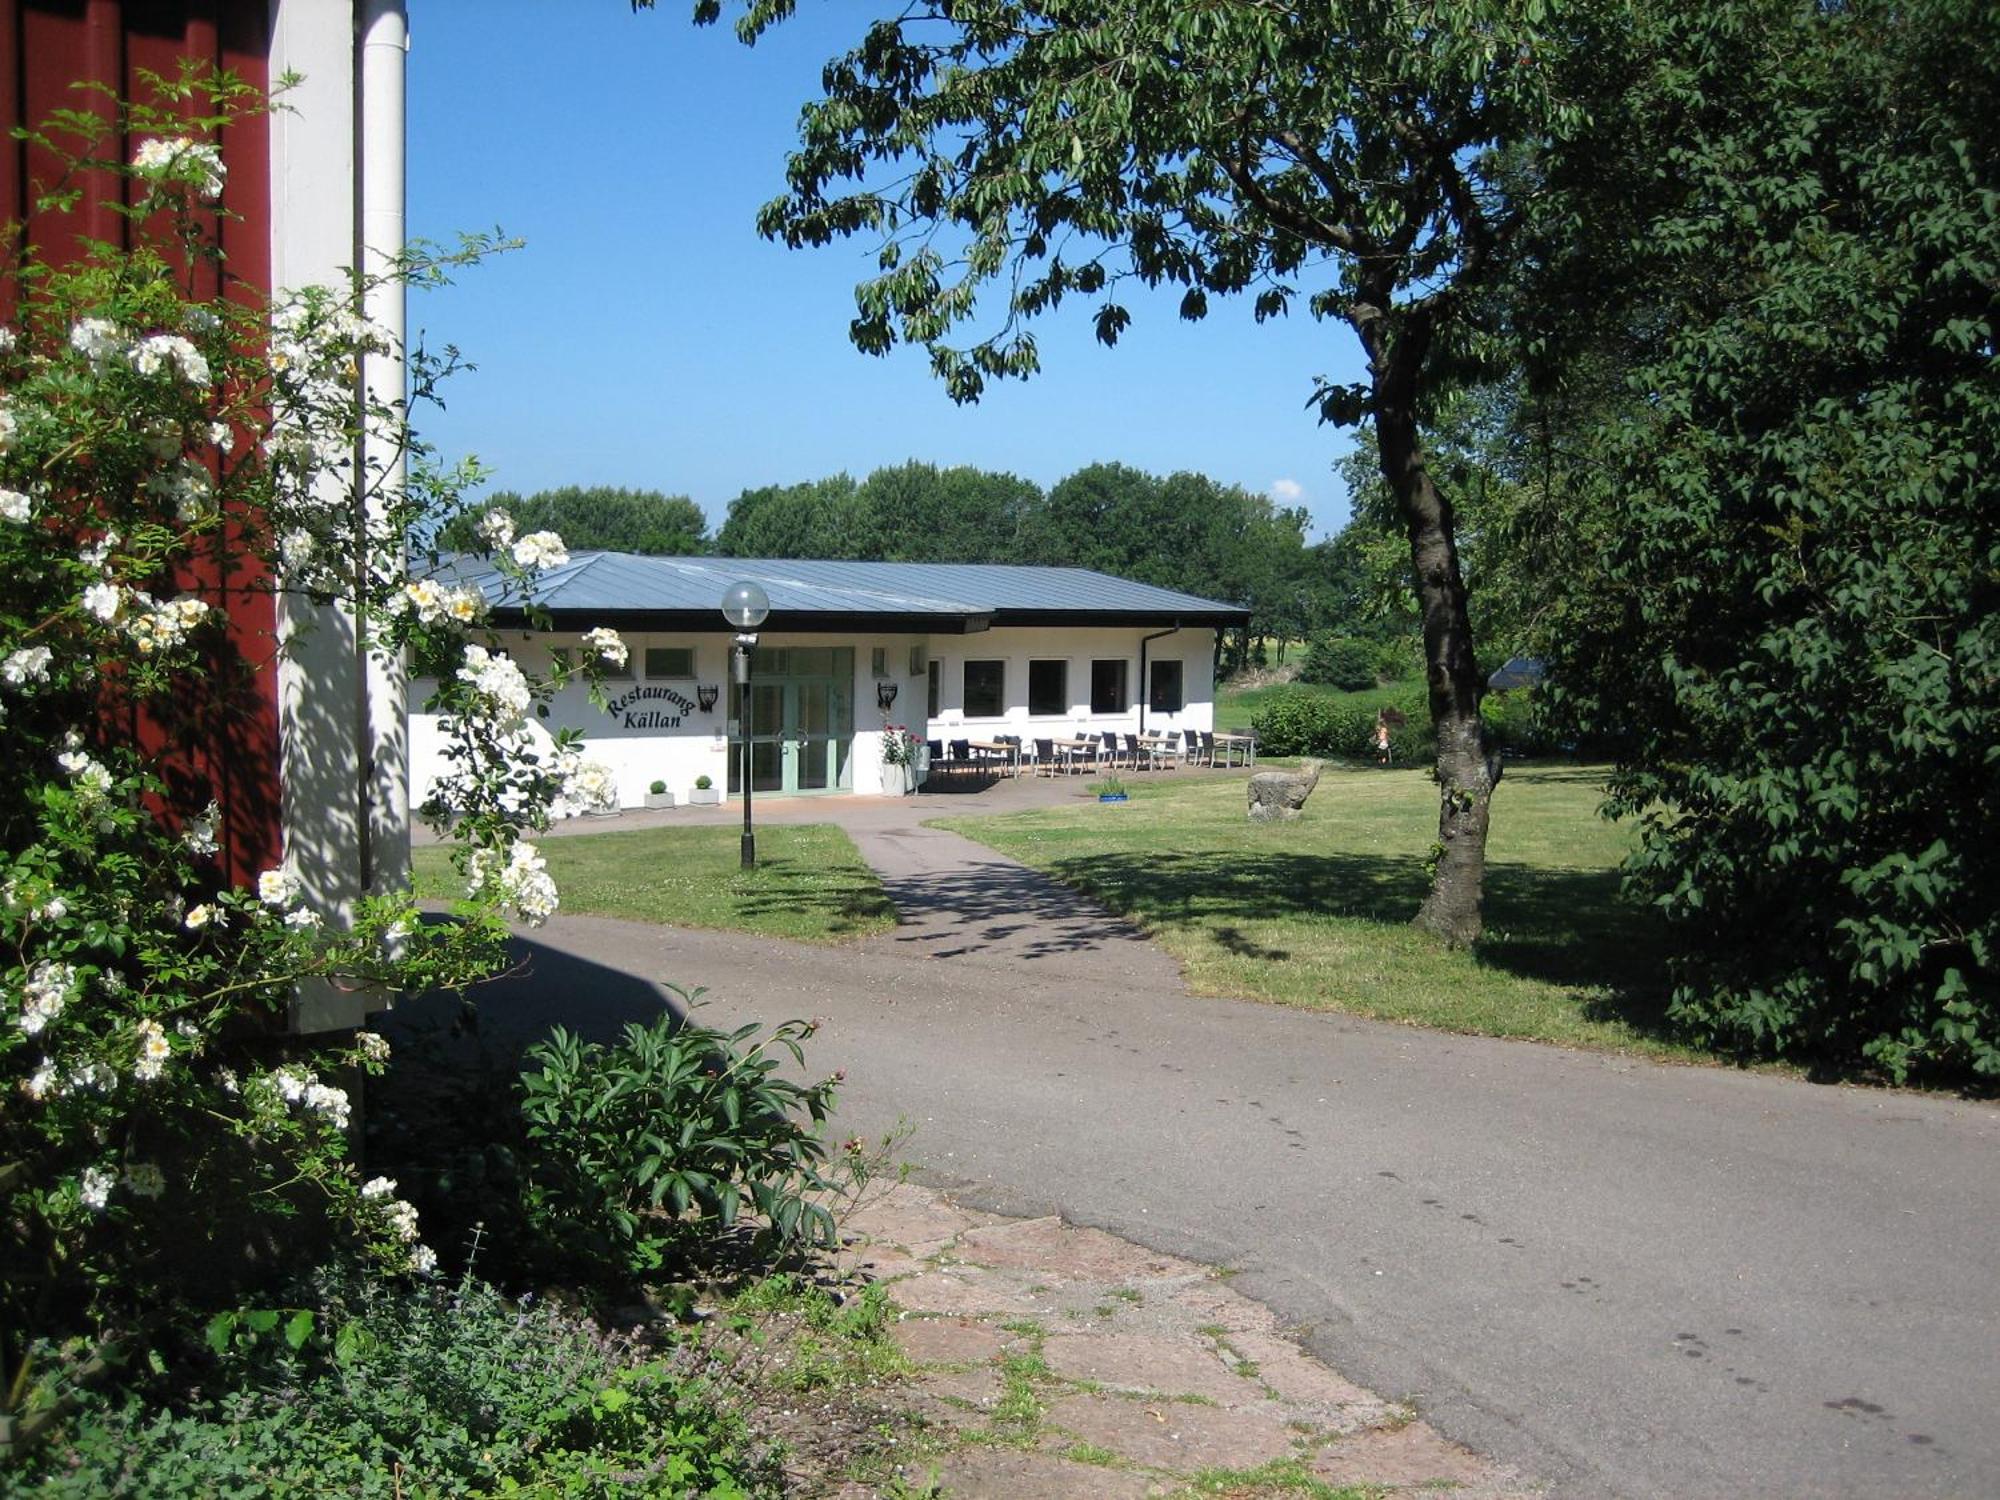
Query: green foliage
x=1340, y=661
x=1791, y=629
x=1301, y=723
x=825, y=519
x=425, y=1390
x=643, y=1155
x=829, y=1341
x=597, y=516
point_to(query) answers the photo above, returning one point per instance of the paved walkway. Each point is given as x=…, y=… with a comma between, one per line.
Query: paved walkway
x=1055, y=1361
x=1622, y=1279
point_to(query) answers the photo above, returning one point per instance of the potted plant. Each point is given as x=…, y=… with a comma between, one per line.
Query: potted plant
x=705, y=793
x=1111, y=789
x=657, y=795
x=900, y=749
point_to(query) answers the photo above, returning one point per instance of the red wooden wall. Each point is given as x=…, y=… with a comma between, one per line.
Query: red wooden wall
x=46, y=46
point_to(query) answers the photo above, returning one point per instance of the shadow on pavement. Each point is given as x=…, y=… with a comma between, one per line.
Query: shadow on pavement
x=987, y=906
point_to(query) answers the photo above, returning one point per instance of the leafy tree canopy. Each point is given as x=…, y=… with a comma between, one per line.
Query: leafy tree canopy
x=615, y=520
x=1789, y=616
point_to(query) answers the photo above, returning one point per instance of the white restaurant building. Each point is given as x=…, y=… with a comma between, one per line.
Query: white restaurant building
x=950, y=651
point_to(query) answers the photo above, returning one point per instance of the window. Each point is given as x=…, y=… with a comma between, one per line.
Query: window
x=1108, y=687
x=1164, y=694
x=933, y=677
x=985, y=689
x=878, y=662
x=1048, y=687
x=670, y=661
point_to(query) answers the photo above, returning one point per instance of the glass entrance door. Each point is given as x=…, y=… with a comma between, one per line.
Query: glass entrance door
x=802, y=722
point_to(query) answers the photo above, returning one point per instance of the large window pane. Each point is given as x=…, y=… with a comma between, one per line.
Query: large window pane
x=933, y=678
x=1165, y=694
x=985, y=689
x=670, y=661
x=1109, y=692
x=1048, y=687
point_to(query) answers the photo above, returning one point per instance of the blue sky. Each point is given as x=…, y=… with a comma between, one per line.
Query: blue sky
x=646, y=336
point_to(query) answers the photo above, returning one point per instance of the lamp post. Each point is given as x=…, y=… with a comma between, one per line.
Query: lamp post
x=745, y=606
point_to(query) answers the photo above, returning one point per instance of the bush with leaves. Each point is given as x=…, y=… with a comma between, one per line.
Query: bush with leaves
x=1340, y=661
x=158, y=441
x=1790, y=627
x=433, y=1389
x=641, y=1155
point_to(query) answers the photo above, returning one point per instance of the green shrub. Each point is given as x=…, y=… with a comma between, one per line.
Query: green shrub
x=641, y=1154
x=431, y=1390
x=1341, y=662
x=1303, y=723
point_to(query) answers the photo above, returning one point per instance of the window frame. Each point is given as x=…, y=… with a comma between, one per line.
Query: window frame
x=646, y=661
x=1124, y=666
x=1061, y=665
x=1000, y=686
x=1154, y=701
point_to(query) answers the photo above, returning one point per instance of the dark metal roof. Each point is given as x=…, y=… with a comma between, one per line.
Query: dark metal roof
x=634, y=591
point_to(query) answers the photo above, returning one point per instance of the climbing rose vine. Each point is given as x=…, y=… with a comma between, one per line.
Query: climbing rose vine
x=156, y=441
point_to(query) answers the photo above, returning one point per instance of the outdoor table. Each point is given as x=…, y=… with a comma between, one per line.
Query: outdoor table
x=1006, y=749
x=1229, y=744
x=1078, y=746
x=1160, y=744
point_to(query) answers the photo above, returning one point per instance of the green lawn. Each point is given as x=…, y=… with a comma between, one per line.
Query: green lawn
x=809, y=884
x=1315, y=913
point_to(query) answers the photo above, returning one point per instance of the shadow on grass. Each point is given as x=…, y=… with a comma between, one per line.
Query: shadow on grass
x=1562, y=927
x=847, y=901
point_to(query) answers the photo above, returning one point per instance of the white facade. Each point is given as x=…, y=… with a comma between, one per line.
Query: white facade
x=655, y=728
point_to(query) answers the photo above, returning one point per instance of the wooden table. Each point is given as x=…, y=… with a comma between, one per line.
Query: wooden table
x=1160, y=744
x=1078, y=746
x=1229, y=744
x=1007, y=749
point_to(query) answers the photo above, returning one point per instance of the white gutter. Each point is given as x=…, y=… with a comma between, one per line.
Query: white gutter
x=384, y=37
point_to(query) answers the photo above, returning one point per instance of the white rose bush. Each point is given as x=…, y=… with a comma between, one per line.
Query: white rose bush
x=169, y=443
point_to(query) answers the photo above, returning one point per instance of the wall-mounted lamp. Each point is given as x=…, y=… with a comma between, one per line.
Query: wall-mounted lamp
x=885, y=696
x=705, y=694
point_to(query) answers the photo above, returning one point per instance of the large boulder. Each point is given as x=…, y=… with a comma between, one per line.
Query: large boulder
x=1280, y=794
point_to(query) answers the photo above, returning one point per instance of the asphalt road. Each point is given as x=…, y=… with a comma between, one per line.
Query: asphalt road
x=1626, y=1279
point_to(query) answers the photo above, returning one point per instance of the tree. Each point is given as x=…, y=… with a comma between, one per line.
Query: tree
x=1336, y=157
x=823, y=518
x=597, y=517
x=1793, y=628
x=917, y=512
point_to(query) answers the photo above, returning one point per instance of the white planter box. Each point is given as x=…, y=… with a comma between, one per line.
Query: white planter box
x=659, y=799
x=710, y=796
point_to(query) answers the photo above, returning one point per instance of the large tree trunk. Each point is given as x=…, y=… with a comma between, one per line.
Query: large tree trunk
x=1466, y=772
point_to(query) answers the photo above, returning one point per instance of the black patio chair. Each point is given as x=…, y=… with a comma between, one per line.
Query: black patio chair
x=1138, y=754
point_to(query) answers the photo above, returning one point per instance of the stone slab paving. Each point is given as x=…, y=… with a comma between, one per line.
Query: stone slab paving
x=1054, y=1361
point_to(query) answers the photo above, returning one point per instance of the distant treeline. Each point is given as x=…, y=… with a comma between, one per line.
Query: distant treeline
x=1181, y=531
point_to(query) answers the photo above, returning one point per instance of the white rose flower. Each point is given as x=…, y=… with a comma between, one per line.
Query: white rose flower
x=38, y=1083
x=103, y=600
x=302, y=918
x=372, y=1045
x=278, y=887
x=379, y=1187
x=94, y=1188
x=29, y=664
x=542, y=550
x=196, y=163
x=10, y=428
x=199, y=833
x=205, y=915
x=496, y=528
x=608, y=644
x=423, y=1260
x=154, y=1050
x=145, y=1179
x=16, y=507
x=296, y=548
x=98, y=340
x=170, y=353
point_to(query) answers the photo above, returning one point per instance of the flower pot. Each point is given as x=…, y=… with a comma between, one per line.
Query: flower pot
x=1113, y=797
x=659, y=799
x=705, y=796
x=897, y=781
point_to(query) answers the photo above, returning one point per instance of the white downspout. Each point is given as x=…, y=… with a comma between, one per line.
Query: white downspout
x=384, y=51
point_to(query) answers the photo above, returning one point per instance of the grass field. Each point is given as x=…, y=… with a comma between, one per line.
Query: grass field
x=1315, y=913
x=809, y=884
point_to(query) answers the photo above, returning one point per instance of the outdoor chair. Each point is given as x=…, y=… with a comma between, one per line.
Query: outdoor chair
x=1138, y=754
x=1208, y=749
x=1045, y=757
x=1167, y=756
x=1111, y=754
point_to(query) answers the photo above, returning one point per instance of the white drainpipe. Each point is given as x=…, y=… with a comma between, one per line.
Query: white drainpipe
x=384, y=51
